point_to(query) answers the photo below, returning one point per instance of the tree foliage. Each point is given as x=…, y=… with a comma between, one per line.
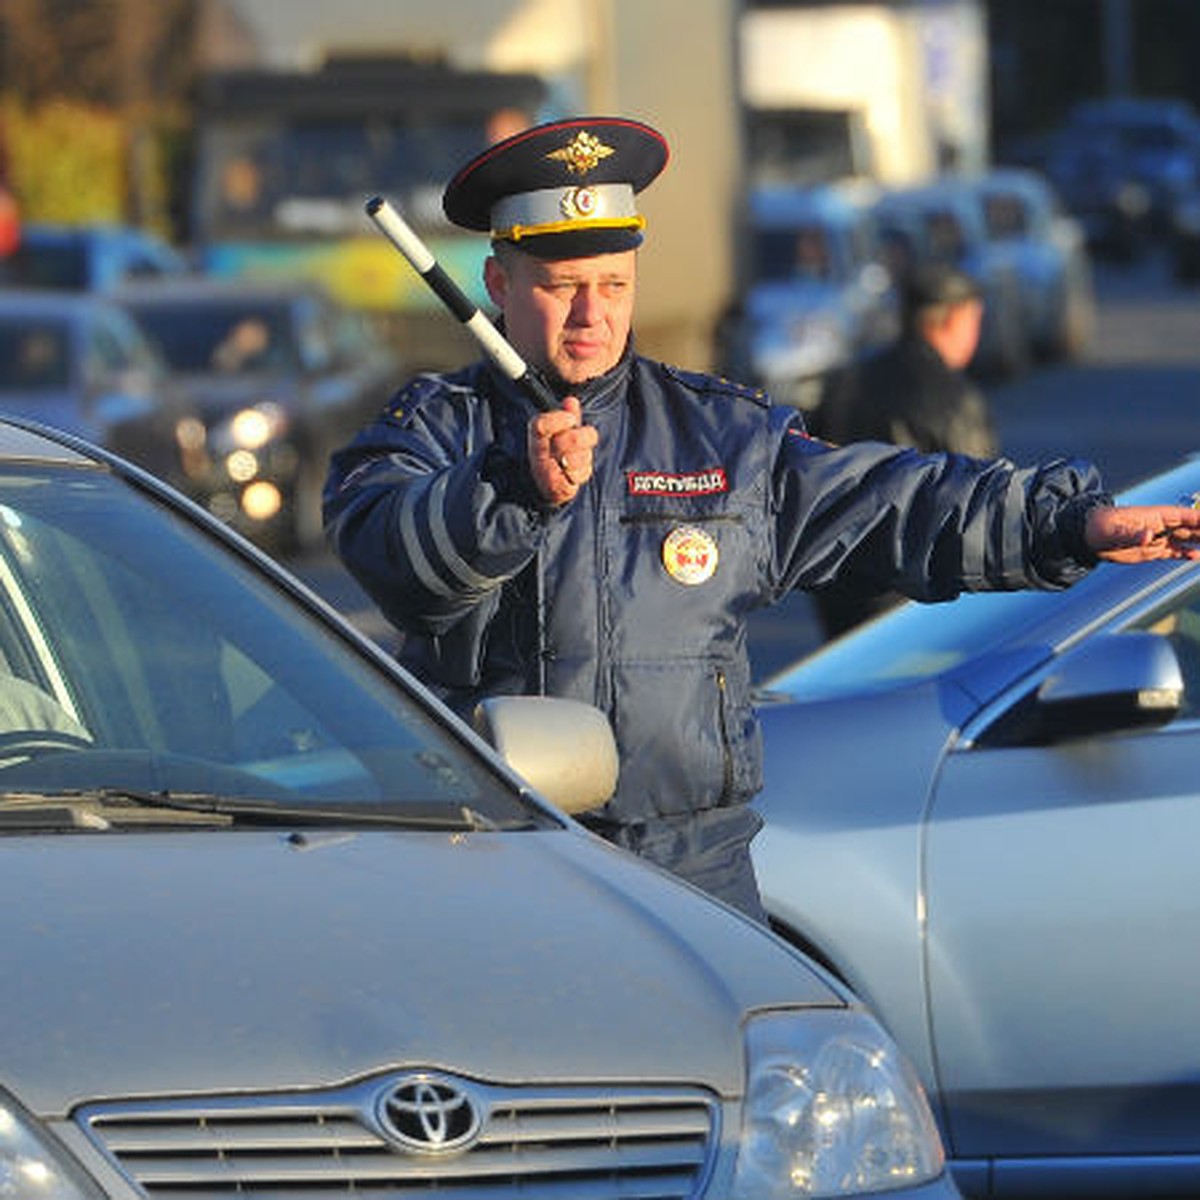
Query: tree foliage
x=91, y=94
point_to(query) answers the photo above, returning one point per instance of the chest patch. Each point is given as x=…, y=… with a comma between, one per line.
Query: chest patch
x=689, y=555
x=663, y=483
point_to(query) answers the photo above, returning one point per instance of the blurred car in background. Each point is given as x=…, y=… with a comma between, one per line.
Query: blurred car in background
x=94, y=258
x=80, y=364
x=818, y=295
x=943, y=221
x=1050, y=251
x=1099, y=188
x=282, y=925
x=984, y=816
x=282, y=376
x=1156, y=139
x=1183, y=238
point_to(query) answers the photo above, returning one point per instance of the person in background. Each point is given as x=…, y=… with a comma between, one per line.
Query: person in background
x=915, y=392
x=611, y=549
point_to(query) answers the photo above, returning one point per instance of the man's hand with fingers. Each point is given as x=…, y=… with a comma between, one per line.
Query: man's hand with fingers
x=560, y=451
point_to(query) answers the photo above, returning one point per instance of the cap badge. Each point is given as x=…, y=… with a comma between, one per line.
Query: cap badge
x=689, y=555
x=582, y=153
x=579, y=202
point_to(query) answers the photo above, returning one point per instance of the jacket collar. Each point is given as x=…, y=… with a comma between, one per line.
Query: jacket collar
x=595, y=395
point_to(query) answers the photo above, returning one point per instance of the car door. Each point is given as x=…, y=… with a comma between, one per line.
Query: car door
x=1063, y=913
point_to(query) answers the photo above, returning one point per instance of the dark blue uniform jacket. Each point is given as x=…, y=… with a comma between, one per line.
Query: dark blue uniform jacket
x=432, y=509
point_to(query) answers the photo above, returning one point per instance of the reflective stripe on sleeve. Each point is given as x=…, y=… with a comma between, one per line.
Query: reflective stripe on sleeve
x=451, y=559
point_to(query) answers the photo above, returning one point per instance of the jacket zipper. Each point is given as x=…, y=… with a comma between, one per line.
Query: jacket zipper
x=726, y=747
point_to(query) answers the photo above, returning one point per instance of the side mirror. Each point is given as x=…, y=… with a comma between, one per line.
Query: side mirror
x=564, y=749
x=1121, y=681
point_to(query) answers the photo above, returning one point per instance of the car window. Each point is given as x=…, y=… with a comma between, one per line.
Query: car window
x=1179, y=622
x=51, y=263
x=801, y=252
x=1005, y=215
x=108, y=350
x=180, y=670
x=946, y=237
x=35, y=355
x=238, y=337
x=315, y=335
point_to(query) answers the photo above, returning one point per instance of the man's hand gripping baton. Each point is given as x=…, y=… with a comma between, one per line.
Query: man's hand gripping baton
x=494, y=344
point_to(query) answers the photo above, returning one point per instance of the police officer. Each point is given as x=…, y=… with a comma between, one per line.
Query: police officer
x=610, y=550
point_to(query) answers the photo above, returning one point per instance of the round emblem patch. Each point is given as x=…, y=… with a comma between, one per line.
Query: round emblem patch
x=689, y=555
x=579, y=202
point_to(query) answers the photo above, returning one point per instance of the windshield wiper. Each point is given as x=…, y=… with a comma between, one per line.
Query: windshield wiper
x=97, y=810
x=106, y=808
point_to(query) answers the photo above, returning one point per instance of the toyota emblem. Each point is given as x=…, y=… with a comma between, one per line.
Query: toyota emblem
x=428, y=1114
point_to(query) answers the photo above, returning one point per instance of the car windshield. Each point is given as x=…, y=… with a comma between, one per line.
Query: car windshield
x=34, y=355
x=914, y=642
x=239, y=337
x=802, y=252
x=1005, y=216
x=52, y=264
x=138, y=656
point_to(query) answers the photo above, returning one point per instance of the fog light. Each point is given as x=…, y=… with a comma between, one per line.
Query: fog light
x=241, y=466
x=261, y=501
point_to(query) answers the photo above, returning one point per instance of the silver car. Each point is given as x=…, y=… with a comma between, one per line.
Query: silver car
x=983, y=817
x=80, y=364
x=818, y=295
x=1050, y=253
x=277, y=924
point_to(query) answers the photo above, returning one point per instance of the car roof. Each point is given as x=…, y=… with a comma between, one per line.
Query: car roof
x=200, y=289
x=1134, y=108
x=49, y=302
x=48, y=231
x=22, y=441
x=834, y=202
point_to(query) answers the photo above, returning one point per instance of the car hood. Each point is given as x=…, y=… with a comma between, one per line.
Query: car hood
x=150, y=964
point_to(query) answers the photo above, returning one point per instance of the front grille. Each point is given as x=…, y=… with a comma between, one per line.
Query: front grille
x=546, y=1143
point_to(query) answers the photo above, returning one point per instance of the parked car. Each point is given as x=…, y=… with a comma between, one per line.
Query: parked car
x=282, y=376
x=943, y=221
x=1099, y=188
x=983, y=817
x=1022, y=211
x=277, y=923
x=818, y=295
x=78, y=363
x=1154, y=143
x=94, y=258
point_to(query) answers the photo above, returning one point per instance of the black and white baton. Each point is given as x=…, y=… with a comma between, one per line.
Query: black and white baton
x=495, y=345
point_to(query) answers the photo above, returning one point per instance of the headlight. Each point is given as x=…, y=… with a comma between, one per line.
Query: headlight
x=32, y=1165
x=1133, y=199
x=832, y=1108
x=251, y=428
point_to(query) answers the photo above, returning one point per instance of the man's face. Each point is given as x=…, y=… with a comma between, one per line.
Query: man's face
x=962, y=328
x=571, y=316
